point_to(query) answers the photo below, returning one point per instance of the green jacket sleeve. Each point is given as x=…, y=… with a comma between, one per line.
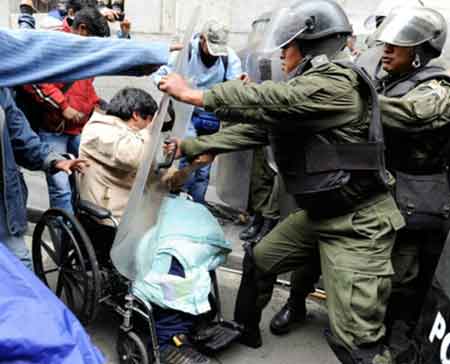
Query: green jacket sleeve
x=300, y=101
x=426, y=107
x=229, y=139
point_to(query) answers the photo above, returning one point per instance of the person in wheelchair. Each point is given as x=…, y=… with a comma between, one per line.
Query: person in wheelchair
x=113, y=144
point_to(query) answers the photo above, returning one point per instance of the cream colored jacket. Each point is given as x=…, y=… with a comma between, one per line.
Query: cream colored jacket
x=114, y=151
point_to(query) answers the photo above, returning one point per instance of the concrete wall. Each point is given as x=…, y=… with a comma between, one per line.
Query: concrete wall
x=165, y=19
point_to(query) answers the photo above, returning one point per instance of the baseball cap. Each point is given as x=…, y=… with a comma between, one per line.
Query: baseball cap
x=216, y=35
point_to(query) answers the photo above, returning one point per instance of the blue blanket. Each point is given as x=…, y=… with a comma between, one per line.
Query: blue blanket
x=35, y=326
x=187, y=231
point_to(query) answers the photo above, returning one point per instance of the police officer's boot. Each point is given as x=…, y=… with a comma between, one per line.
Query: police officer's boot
x=267, y=226
x=254, y=292
x=290, y=313
x=375, y=353
x=253, y=229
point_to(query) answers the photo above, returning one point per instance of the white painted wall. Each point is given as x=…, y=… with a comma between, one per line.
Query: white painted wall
x=164, y=19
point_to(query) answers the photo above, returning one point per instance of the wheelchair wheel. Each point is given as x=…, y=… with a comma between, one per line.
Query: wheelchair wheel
x=131, y=349
x=65, y=261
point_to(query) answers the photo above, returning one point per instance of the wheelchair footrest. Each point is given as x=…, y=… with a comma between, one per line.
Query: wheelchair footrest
x=217, y=336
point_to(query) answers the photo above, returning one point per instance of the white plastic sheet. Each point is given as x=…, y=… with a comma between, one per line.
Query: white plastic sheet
x=147, y=193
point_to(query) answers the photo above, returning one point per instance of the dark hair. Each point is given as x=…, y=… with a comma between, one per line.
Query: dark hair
x=129, y=100
x=77, y=5
x=94, y=21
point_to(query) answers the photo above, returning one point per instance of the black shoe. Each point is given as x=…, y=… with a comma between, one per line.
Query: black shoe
x=184, y=354
x=253, y=229
x=251, y=338
x=266, y=228
x=282, y=322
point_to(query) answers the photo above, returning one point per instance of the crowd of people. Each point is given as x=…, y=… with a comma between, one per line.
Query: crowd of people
x=364, y=155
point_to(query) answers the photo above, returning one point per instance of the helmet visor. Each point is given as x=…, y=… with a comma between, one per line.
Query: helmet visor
x=406, y=27
x=284, y=26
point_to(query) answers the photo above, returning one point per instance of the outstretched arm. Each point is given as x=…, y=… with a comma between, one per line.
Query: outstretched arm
x=32, y=56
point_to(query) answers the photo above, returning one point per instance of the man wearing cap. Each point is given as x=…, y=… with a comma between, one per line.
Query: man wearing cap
x=211, y=61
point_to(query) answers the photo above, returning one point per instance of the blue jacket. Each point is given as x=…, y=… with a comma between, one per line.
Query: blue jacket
x=36, y=327
x=19, y=145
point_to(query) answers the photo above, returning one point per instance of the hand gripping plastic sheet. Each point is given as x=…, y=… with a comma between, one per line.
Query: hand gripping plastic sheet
x=35, y=326
x=147, y=193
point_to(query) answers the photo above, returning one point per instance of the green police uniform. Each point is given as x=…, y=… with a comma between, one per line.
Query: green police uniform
x=416, y=116
x=263, y=187
x=353, y=231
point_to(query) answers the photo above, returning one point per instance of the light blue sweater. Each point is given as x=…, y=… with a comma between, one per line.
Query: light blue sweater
x=33, y=56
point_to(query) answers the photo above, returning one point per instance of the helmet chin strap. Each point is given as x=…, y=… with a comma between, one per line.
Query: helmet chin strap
x=303, y=66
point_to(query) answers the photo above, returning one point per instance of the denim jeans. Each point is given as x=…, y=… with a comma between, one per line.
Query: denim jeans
x=15, y=244
x=197, y=184
x=59, y=191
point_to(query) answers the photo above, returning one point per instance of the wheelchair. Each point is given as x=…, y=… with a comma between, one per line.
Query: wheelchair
x=71, y=256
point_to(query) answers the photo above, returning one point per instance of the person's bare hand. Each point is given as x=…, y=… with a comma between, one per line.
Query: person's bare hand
x=203, y=160
x=174, y=85
x=125, y=27
x=175, y=47
x=73, y=115
x=175, y=178
x=69, y=165
x=173, y=145
x=109, y=14
x=244, y=77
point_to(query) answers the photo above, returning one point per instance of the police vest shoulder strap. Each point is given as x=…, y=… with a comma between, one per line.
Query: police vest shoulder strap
x=376, y=129
x=405, y=84
x=355, y=156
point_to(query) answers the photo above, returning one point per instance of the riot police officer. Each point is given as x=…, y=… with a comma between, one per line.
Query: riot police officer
x=329, y=152
x=416, y=117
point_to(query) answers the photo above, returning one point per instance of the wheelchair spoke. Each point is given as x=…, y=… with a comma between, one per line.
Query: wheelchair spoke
x=51, y=270
x=70, y=257
x=136, y=358
x=66, y=261
x=73, y=272
x=51, y=253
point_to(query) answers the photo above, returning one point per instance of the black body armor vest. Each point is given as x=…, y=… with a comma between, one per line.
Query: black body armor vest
x=315, y=171
x=434, y=144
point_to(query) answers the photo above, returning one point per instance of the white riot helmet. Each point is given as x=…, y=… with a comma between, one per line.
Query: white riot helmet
x=384, y=8
x=422, y=28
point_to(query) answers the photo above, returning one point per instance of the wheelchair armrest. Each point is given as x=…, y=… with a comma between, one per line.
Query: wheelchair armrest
x=94, y=210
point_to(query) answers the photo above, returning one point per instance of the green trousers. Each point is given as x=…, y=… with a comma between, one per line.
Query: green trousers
x=264, y=187
x=354, y=251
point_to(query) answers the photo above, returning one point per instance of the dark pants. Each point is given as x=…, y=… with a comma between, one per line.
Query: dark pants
x=171, y=322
